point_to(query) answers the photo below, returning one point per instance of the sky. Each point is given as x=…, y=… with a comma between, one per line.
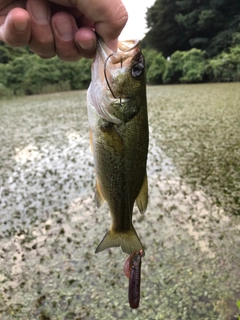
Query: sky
x=136, y=25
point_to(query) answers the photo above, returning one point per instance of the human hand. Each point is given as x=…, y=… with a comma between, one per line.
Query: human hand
x=63, y=28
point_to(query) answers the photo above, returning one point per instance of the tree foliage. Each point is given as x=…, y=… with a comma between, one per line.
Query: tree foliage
x=25, y=73
x=156, y=70
x=22, y=72
x=8, y=54
x=226, y=66
x=209, y=25
x=193, y=66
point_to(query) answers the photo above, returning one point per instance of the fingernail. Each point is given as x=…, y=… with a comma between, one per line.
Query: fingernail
x=20, y=25
x=86, y=45
x=40, y=13
x=64, y=29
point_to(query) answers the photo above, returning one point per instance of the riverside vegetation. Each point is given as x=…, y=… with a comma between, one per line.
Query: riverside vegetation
x=23, y=73
x=187, y=42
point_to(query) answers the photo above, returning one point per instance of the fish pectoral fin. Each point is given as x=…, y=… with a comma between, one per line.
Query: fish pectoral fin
x=128, y=241
x=142, y=198
x=99, y=200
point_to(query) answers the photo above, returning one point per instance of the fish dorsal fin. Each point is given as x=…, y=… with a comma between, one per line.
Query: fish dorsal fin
x=142, y=198
x=99, y=200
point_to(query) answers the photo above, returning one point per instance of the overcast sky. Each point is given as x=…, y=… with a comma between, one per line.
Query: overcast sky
x=136, y=25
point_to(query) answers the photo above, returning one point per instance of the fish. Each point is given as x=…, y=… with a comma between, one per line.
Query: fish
x=118, y=124
x=132, y=269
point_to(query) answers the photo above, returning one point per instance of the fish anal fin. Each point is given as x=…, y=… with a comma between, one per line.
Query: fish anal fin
x=99, y=200
x=142, y=198
x=128, y=241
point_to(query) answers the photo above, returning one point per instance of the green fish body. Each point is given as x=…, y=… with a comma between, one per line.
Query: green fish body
x=117, y=112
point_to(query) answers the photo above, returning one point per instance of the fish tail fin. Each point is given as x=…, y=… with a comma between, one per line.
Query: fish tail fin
x=128, y=241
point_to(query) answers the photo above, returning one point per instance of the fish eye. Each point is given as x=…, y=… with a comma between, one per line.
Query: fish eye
x=137, y=69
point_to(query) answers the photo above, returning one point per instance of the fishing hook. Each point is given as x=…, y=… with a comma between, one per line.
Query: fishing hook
x=108, y=84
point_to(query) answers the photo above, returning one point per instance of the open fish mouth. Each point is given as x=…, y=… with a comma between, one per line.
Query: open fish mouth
x=125, y=46
x=120, y=76
x=128, y=45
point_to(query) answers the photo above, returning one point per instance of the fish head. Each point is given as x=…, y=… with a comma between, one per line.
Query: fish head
x=118, y=85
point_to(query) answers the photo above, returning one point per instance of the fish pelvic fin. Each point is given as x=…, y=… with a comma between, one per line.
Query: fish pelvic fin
x=142, y=198
x=128, y=241
x=99, y=200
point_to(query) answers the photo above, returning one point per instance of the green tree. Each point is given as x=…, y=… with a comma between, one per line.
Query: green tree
x=174, y=66
x=5, y=56
x=149, y=55
x=226, y=66
x=165, y=34
x=30, y=74
x=194, y=66
x=210, y=25
x=82, y=74
x=186, y=67
x=156, y=70
x=15, y=73
x=3, y=74
x=39, y=74
x=8, y=54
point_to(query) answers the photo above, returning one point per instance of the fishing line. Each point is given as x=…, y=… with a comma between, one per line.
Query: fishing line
x=105, y=75
x=108, y=84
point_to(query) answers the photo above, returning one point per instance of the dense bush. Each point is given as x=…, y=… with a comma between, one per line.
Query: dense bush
x=226, y=66
x=29, y=74
x=8, y=54
x=185, y=67
x=24, y=73
x=174, y=66
x=156, y=70
x=5, y=92
x=3, y=76
x=193, y=67
x=4, y=55
x=180, y=25
x=149, y=55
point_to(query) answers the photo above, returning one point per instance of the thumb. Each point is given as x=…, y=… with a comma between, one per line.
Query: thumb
x=109, y=18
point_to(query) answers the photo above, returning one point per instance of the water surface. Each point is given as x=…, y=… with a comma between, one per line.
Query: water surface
x=50, y=226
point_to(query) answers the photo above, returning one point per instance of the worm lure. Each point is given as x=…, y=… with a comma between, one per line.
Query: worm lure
x=132, y=269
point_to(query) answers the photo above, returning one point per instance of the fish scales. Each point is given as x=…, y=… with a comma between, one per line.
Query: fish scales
x=117, y=112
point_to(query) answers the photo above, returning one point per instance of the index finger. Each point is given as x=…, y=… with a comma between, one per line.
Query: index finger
x=15, y=28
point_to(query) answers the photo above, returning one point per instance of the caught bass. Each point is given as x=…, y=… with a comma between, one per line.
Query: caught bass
x=117, y=114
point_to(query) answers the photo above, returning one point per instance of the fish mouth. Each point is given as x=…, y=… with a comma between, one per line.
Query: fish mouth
x=110, y=71
x=120, y=60
x=128, y=45
x=125, y=46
